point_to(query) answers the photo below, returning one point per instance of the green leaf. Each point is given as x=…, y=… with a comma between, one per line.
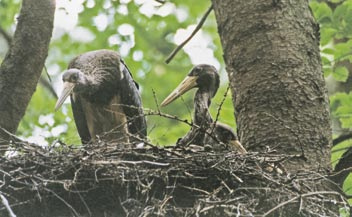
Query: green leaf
x=347, y=185
x=327, y=71
x=342, y=50
x=345, y=211
x=321, y=10
x=339, y=13
x=326, y=61
x=340, y=74
x=328, y=51
x=326, y=35
x=339, y=150
x=341, y=106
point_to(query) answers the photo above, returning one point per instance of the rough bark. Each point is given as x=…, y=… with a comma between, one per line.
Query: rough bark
x=23, y=63
x=271, y=51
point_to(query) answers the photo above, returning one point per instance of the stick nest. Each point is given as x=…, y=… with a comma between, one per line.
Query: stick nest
x=100, y=180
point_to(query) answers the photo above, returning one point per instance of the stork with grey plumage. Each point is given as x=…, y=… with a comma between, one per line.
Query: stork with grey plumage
x=104, y=97
x=204, y=130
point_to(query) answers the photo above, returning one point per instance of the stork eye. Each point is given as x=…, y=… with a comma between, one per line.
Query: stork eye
x=74, y=77
x=196, y=71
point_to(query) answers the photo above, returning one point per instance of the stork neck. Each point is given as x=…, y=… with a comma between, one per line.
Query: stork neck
x=202, y=102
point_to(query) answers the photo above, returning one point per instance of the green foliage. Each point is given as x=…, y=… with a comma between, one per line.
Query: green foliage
x=322, y=11
x=335, y=19
x=145, y=38
x=344, y=212
x=340, y=73
x=8, y=10
x=338, y=150
x=41, y=124
x=342, y=108
x=336, y=33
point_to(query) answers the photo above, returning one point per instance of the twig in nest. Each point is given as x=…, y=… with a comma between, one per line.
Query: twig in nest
x=220, y=106
x=348, y=169
x=5, y=202
x=227, y=187
x=215, y=206
x=236, y=177
x=195, y=189
x=166, y=199
x=84, y=203
x=12, y=136
x=118, y=162
x=64, y=201
x=199, y=25
x=299, y=196
x=156, y=101
x=172, y=117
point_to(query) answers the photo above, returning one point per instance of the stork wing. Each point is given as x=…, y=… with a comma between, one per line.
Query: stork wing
x=127, y=70
x=132, y=103
x=80, y=119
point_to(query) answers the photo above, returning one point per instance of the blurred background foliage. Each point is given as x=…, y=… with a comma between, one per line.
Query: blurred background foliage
x=145, y=32
x=335, y=19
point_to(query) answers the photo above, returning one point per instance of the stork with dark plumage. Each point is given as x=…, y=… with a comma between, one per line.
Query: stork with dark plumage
x=104, y=98
x=204, y=130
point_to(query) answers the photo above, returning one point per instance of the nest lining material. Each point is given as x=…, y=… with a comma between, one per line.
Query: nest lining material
x=101, y=180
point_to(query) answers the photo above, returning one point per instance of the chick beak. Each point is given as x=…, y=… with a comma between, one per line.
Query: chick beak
x=188, y=83
x=237, y=146
x=68, y=88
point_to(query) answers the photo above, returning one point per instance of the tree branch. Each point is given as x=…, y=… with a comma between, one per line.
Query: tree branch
x=24, y=61
x=46, y=84
x=200, y=24
x=6, y=35
x=342, y=138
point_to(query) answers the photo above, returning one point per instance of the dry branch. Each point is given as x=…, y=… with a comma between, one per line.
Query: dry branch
x=112, y=180
x=198, y=27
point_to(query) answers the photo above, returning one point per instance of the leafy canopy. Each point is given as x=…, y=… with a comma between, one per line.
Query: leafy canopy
x=144, y=32
x=335, y=19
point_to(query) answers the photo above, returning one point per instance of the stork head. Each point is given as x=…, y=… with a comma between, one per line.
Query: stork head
x=73, y=79
x=225, y=134
x=204, y=77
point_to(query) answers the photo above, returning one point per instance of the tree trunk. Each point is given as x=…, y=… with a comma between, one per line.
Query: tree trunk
x=23, y=63
x=271, y=51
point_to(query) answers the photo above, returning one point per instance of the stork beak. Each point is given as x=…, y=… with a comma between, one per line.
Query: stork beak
x=188, y=83
x=68, y=87
x=237, y=146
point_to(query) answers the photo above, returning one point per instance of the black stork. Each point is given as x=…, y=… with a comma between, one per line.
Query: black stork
x=204, y=130
x=104, y=97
